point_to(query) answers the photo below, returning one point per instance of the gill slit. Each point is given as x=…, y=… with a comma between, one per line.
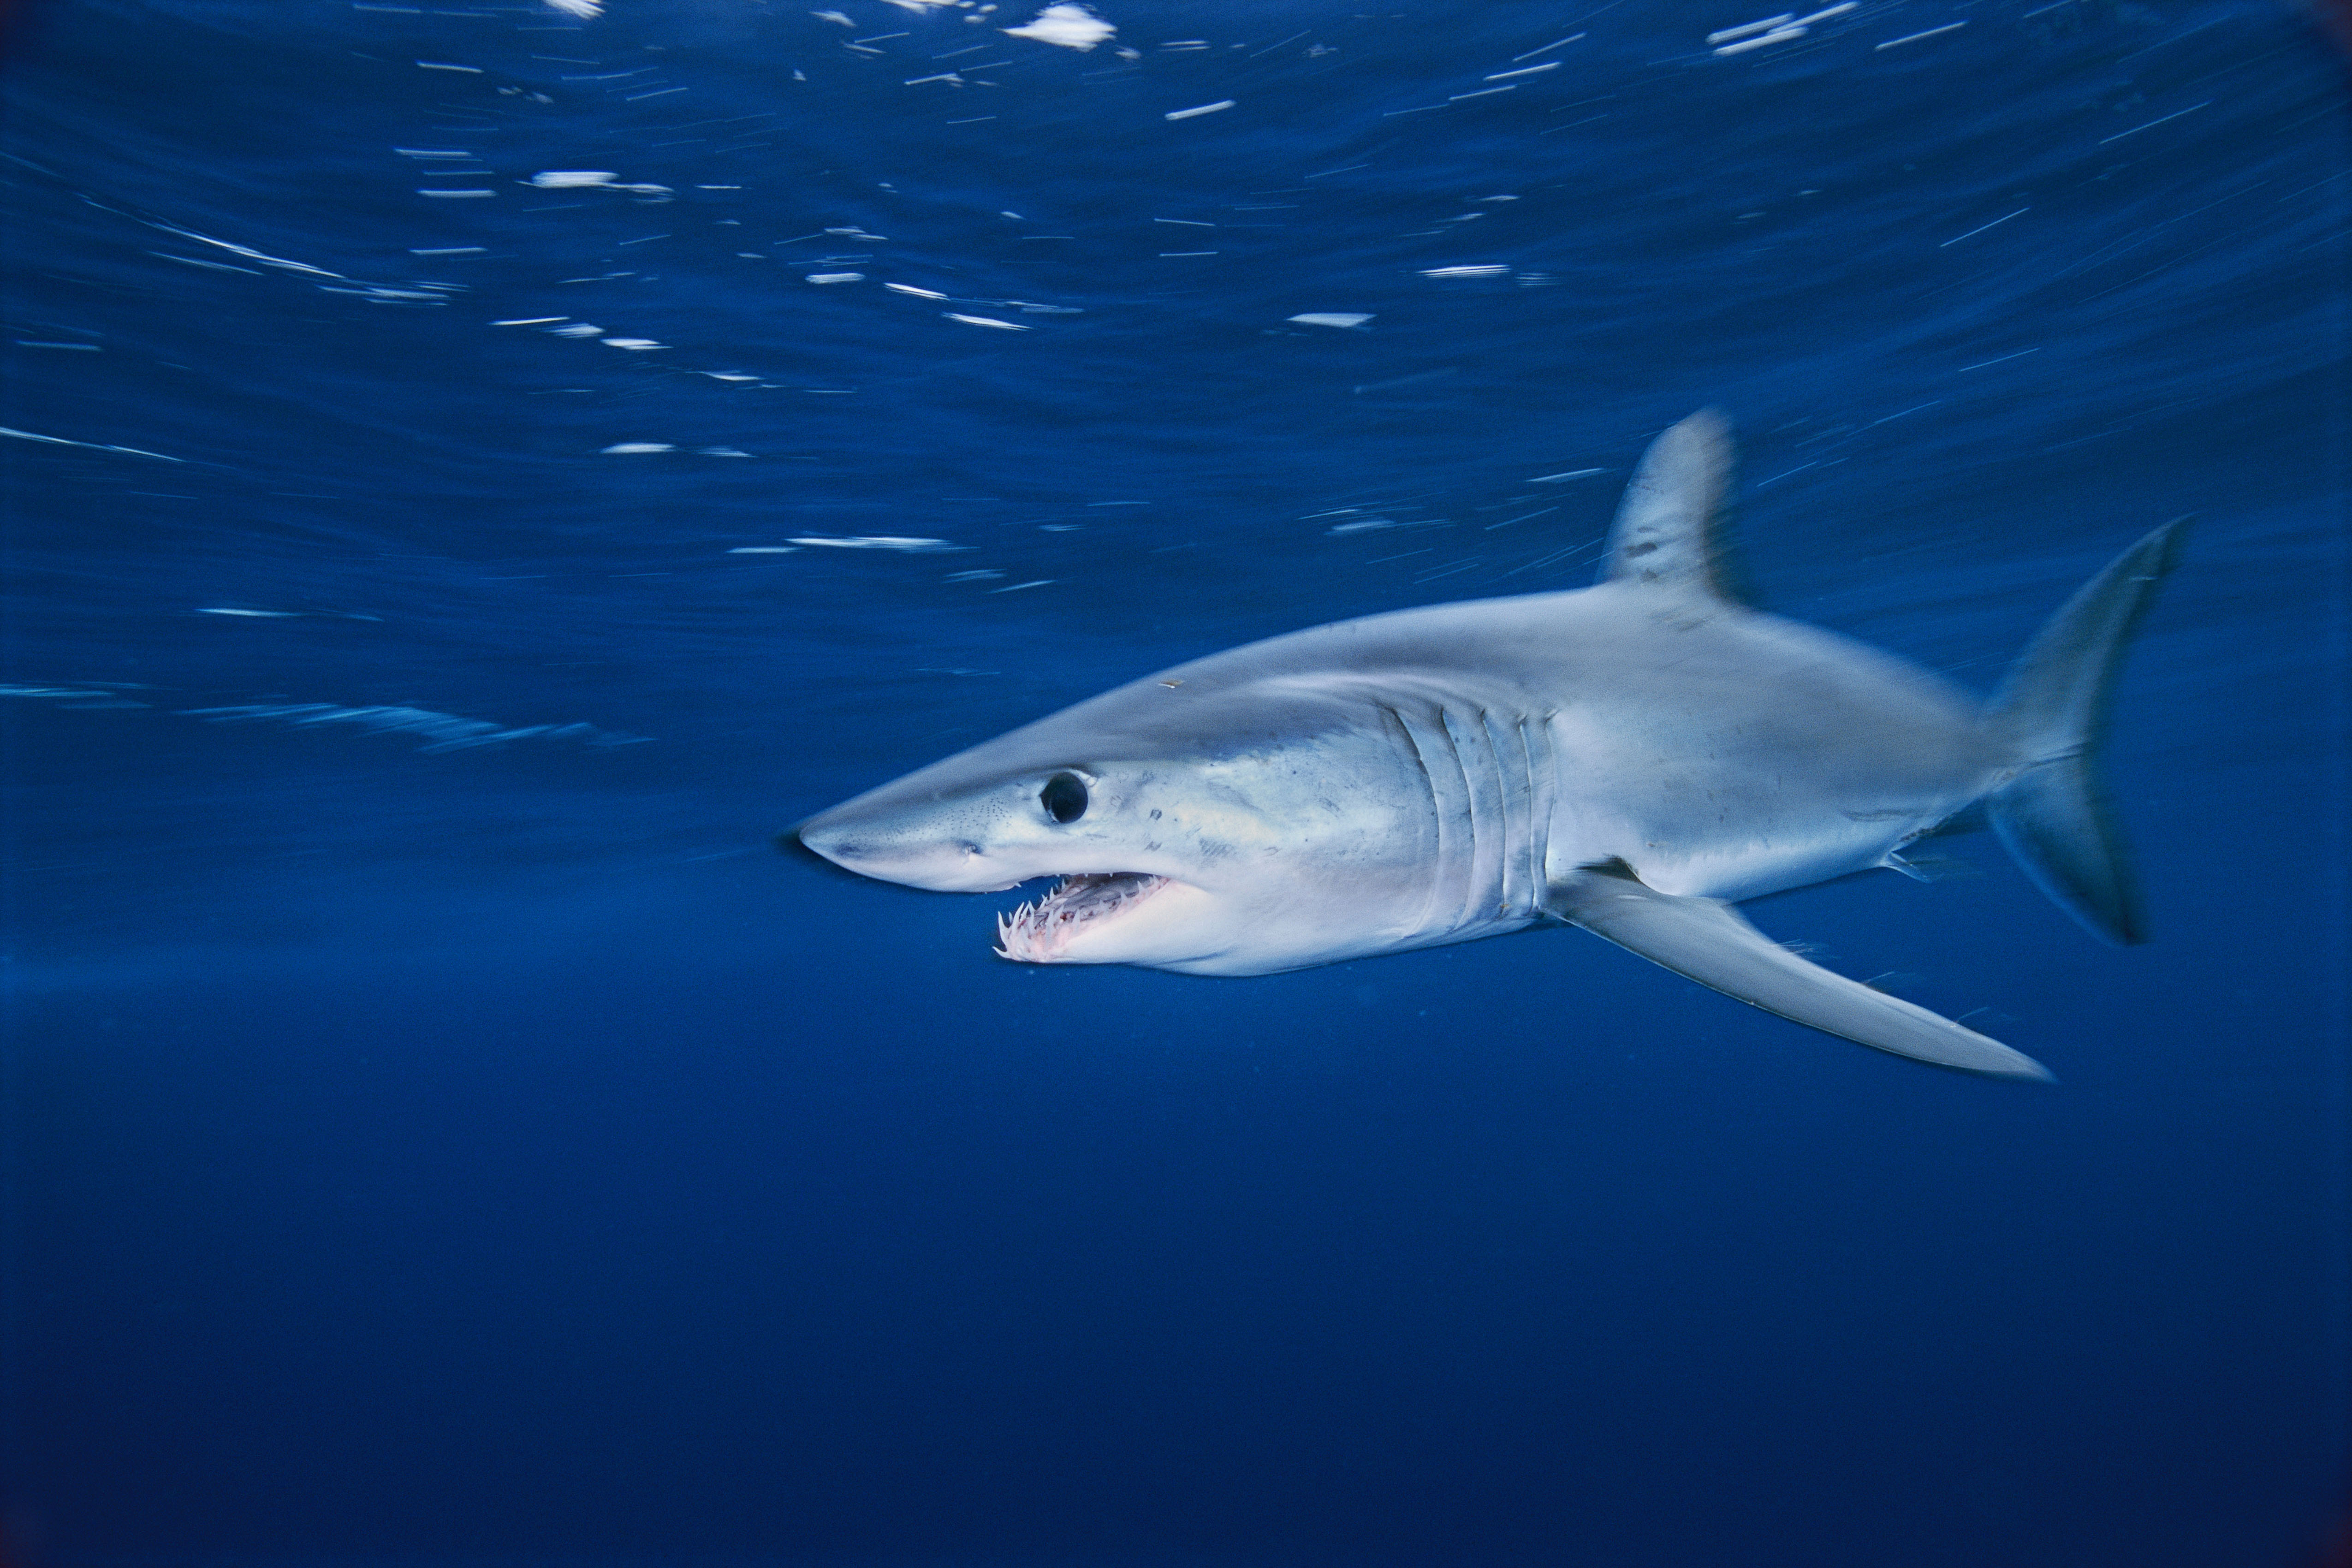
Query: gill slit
x=1436, y=812
x=1542, y=783
x=1464, y=861
x=1515, y=794
x=1485, y=893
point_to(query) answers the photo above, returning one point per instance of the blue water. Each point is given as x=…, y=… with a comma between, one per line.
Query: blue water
x=439, y=1129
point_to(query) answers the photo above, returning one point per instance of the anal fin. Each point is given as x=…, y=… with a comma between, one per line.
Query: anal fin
x=1710, y=941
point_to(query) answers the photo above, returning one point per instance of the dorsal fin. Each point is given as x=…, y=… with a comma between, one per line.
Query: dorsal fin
x=1674, y=527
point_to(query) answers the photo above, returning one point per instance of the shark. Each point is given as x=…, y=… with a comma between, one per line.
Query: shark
x=1635, y=758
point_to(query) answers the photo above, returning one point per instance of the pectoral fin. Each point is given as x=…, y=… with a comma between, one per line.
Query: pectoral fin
x=1713, y=944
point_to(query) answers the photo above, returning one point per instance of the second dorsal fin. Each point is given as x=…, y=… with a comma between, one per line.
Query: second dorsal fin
x=1674, y=527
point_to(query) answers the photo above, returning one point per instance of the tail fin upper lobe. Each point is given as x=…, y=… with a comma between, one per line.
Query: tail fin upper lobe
x=2054, y=814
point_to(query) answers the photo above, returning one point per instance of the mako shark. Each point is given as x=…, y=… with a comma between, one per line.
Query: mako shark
x=1631, y=758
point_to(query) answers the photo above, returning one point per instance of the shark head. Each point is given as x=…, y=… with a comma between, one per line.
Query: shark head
x=1211, y=831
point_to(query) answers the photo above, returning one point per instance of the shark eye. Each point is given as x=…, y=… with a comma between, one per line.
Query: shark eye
x=1064, y=797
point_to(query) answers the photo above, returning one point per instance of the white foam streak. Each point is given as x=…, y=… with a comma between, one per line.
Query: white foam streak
x=92, y=446
x=248, y=252
x=1071, y=27
x=443, y=732
x=907, y=546
x=1748, y=30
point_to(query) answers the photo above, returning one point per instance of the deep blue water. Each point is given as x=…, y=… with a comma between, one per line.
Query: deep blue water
x=439, y=1129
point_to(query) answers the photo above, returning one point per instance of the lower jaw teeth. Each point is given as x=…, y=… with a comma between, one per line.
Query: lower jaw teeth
x=1039, y=933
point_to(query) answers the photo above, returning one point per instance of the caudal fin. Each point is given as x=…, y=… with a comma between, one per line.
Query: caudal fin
x=2054, y=814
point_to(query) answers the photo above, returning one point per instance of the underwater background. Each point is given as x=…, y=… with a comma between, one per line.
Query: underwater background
x=478, y=472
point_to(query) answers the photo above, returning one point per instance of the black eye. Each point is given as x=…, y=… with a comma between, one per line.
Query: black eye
x=1064, y=797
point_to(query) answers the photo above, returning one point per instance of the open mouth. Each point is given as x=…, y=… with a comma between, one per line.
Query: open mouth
x=1042, y=931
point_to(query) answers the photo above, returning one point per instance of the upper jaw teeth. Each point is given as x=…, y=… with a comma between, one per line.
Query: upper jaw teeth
x=1040, y=931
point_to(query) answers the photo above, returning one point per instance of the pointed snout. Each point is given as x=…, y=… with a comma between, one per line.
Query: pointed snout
x=914, y=847
x=837, y=839
x=791, y=842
